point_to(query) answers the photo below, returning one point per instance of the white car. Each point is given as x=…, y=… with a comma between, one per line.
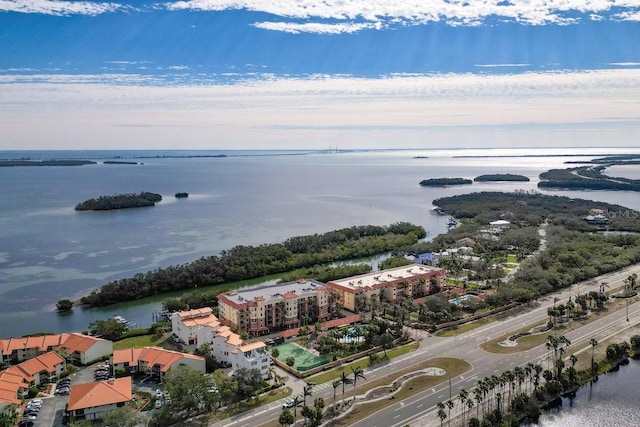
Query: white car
x=158, y=404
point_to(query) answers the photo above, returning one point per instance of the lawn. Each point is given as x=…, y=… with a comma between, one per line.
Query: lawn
x=362, y=363
x=454, y=367
x=465, y=327
x=140, y=341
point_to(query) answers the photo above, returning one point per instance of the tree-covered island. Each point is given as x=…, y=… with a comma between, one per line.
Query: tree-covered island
x=24, y=162
x=441, y=182
x=248, y=262
x=501, y=177
x=120, y=201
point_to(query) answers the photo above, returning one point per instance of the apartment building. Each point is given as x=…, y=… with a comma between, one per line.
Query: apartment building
x=264, y=309
x=82, y=349
x=155, y=361
x=200, y=326
x=412, y=281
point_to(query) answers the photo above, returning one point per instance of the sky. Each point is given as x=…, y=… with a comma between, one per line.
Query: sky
x=310, y=74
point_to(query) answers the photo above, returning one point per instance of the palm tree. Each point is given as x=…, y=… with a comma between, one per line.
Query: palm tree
x=594, y=343
x=477, y=394
x=296, y=402
x=357, y=373
x=469, y=407
x=463, y=395
x=335, y=385
x=441, y=413
x=306, y=393
x=450, y=405
x=344, y=379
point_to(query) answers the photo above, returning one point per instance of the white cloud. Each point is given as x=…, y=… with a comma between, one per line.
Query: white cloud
x=315, y=27
x=628, y=16
x=384, y=13
x=125, y=111
x=59, y=8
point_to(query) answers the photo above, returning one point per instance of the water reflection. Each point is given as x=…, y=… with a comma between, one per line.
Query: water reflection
x=611, y=401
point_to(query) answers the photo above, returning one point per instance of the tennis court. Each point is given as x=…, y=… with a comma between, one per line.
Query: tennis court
x=304, y=360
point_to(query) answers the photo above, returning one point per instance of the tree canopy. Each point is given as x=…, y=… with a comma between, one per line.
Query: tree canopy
x=248, y=262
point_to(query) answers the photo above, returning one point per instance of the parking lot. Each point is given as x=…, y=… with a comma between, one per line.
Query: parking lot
x=52, y=407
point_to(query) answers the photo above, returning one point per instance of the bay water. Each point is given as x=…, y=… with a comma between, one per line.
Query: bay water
x=49, y=251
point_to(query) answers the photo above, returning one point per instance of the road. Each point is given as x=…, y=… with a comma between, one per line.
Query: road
x=419, y=409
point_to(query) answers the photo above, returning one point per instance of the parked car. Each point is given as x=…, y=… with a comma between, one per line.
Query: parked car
x=288, y=404
x=158, y=404
x=25, y=422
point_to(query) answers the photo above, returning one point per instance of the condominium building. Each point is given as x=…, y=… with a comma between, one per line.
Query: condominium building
x=80, y=348
x=264, y=309
x=155, y=361
x=412, y=281
x=201, y=326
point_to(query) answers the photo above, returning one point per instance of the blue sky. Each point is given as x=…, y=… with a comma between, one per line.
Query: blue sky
x=300, y=74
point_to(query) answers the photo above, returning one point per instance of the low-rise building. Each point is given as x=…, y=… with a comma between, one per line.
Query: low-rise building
x=413, y=281
x=16, y=380
x=252, y=356
x=194, y=327
x=264, y=309
x=92, y=401
x=82, y=349
x=155, y=361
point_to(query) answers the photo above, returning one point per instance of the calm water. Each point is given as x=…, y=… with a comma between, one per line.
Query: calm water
x=612, y=401
x=48, y=251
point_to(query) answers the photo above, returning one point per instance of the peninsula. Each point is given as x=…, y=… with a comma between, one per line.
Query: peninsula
x=586, y=178
x=120, y=201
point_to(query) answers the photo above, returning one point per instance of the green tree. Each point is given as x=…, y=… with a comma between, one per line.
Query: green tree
x=275, y=353
x=357, y=373
x=249, y=382
x=109, y=329
x=64, y=305
x=344, y=379
x=188, y=389
x=442, y=414
x=124, y=417
x=290, y=361
x=286, y=417
x=594, y=343
x=335, y=384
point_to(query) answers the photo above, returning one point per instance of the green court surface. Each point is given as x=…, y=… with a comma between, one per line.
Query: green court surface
x=304, y=360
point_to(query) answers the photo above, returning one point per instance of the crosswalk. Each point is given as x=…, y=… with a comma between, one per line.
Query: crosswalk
x=314, y=390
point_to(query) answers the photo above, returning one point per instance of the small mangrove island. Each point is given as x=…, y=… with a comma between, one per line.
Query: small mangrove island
x=120, y=201
x=441, y=182
x=501, y=177
x=23, y=162
x=182, y=195
x=118, y=162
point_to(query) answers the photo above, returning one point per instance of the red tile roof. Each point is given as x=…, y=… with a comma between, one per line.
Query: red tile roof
x=71, y=342
x=44, y=363
x=166, y=359
x=91, y=395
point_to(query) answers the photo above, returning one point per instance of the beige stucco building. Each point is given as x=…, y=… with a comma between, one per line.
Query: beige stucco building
x=264, y=309
x=412, y=281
